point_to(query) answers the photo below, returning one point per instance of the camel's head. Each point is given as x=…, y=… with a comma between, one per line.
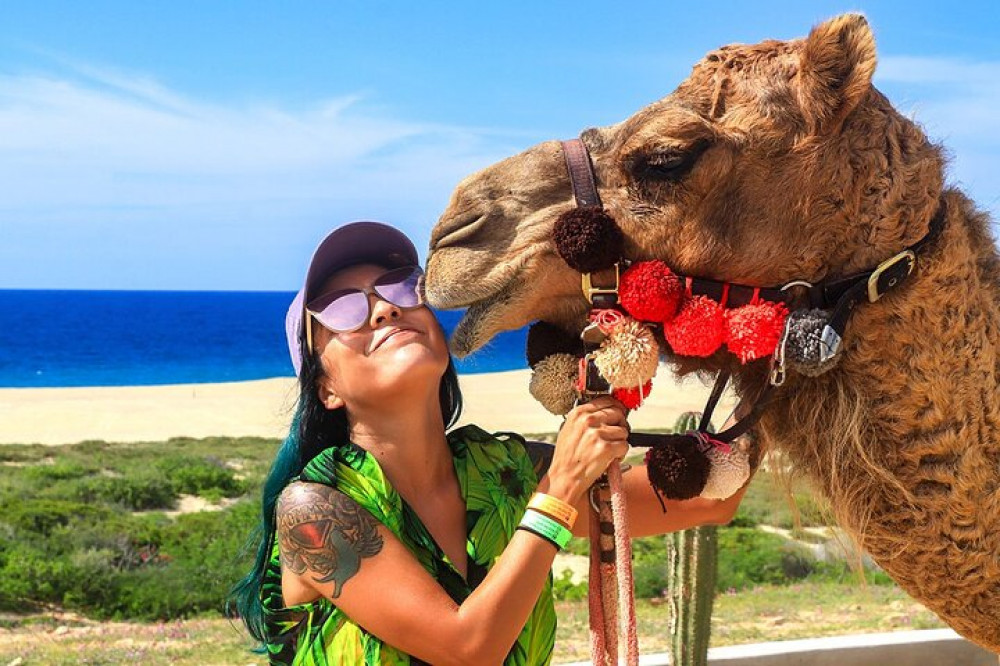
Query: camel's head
x=770, y=163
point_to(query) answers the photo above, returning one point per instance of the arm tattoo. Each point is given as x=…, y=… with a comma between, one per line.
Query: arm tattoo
x=540, y=454
x=325, y=532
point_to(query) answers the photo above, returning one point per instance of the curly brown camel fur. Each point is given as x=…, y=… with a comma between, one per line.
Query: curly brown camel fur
x=776, y=162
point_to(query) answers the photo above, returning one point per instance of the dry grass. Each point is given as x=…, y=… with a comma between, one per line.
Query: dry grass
x=763, y=614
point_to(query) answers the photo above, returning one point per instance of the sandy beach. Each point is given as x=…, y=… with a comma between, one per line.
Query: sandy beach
x=495, y=401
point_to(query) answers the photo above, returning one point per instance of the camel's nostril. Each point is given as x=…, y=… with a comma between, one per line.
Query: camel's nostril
x=457, y=231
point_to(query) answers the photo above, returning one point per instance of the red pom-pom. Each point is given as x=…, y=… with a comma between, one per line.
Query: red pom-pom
x=753, y=331
x=699, y=329
x=630, y=396
x=650, y=291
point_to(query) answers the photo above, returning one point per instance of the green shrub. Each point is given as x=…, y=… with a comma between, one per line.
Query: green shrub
x=750, y=557
x=59, y=471
x=197, y=476
x=69, y=537
x=650, y=578
x=578, y=545
x=138, y=493
x=564, y=589
x=42, y=516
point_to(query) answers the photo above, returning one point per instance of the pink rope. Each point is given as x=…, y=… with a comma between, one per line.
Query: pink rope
x=602, y=597
x=609, y=602
x=623, y=560
x=608, y=576
x=598, y=642
x=607, y=319
x=611, y=582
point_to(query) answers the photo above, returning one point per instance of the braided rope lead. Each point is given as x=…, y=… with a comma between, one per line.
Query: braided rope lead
x=623, y=549
x=598, y=640
x=611, y=575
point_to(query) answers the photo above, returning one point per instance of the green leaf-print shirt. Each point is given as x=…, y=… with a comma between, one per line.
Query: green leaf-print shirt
x=496, y=479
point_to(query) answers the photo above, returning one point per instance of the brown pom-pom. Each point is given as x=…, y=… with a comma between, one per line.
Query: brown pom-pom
x=588, y=239
x=553, y=382
x=545, y=339
x=677, y=468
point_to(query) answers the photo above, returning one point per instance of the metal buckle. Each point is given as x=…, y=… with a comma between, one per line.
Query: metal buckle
x=778, y=371
x=905, y=255
x=589, y=289
x=797, y=283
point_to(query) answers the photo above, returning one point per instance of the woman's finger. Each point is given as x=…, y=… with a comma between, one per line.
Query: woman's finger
x=612, y=414
x=613, y=433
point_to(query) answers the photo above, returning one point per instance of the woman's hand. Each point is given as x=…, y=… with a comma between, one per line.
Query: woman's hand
x=594, y=434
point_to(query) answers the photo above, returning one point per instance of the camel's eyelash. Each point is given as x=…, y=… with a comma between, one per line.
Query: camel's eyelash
x=668, y=165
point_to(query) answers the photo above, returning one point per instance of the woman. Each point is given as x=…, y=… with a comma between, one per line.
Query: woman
x=387, y=539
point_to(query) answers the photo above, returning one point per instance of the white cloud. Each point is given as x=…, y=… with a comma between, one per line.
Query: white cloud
x=118, y=140
x=115, y=180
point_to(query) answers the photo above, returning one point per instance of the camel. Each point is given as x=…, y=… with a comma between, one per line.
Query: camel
x=771, y=163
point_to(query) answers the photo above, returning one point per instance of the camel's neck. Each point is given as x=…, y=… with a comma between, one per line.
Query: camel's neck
x=914, y=398
x=925, y=359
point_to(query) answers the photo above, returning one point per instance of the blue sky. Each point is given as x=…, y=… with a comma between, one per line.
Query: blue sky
x=195, y=145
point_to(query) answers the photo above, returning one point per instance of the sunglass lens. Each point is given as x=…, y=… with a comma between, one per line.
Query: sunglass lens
x=401, y=287
x=346, y=312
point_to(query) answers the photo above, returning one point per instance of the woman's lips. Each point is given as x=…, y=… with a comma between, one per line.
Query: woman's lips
x=392, y=333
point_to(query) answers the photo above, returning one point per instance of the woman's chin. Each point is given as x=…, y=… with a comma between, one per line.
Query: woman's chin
x=411, y=362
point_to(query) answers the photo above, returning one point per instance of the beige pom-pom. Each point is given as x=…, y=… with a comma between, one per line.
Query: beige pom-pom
x=730, y=469
x=553, y=382
x=629, y=356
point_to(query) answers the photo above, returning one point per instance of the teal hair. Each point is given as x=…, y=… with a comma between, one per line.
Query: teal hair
x=313, y=429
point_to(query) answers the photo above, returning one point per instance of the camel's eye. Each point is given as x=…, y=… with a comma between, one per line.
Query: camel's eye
x=667, y=165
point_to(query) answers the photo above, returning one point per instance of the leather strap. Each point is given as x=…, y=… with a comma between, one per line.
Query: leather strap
x=734, y=295
x=581, y=173
x=828, y=294
x=739, y=428
x=845, y=295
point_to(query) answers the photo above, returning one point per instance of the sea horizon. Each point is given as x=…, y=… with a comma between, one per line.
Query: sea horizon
x=119, y=337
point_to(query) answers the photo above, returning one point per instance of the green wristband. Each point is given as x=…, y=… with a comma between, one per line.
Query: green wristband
x=546, y=528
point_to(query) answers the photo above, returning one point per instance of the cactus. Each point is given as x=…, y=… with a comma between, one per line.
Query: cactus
x=691, y=569
x=687, y=422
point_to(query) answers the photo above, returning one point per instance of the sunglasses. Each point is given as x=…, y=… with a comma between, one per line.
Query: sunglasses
x=347, y=310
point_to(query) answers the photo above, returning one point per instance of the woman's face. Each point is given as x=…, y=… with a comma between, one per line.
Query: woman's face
x=396, y=353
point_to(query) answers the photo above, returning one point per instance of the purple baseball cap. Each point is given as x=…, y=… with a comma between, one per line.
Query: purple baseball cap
x=350, y=244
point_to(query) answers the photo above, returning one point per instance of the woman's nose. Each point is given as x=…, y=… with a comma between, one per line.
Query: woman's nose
x=382, y=311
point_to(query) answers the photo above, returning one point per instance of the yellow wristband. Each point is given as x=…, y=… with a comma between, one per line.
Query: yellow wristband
x=554, y=508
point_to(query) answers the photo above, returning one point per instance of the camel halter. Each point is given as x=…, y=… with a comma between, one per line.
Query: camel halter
x=821, y=322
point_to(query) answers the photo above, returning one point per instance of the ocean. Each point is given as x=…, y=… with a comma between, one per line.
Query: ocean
x=121, y=338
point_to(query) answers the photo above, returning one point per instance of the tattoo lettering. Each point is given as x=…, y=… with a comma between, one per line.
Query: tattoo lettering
x=325, y=532
x=540, y=454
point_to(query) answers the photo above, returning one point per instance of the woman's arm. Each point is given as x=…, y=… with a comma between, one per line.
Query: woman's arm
x=647, y=517
x=645, y=512
x=331, y=545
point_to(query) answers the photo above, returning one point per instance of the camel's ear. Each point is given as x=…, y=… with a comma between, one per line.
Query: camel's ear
x=835, y=71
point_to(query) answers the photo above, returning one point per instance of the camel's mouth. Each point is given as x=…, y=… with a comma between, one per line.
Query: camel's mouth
x=483, y=320
x=492, y=297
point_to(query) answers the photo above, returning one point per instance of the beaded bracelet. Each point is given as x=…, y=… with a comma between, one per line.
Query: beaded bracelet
x=554, y=508
x=545, y=527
